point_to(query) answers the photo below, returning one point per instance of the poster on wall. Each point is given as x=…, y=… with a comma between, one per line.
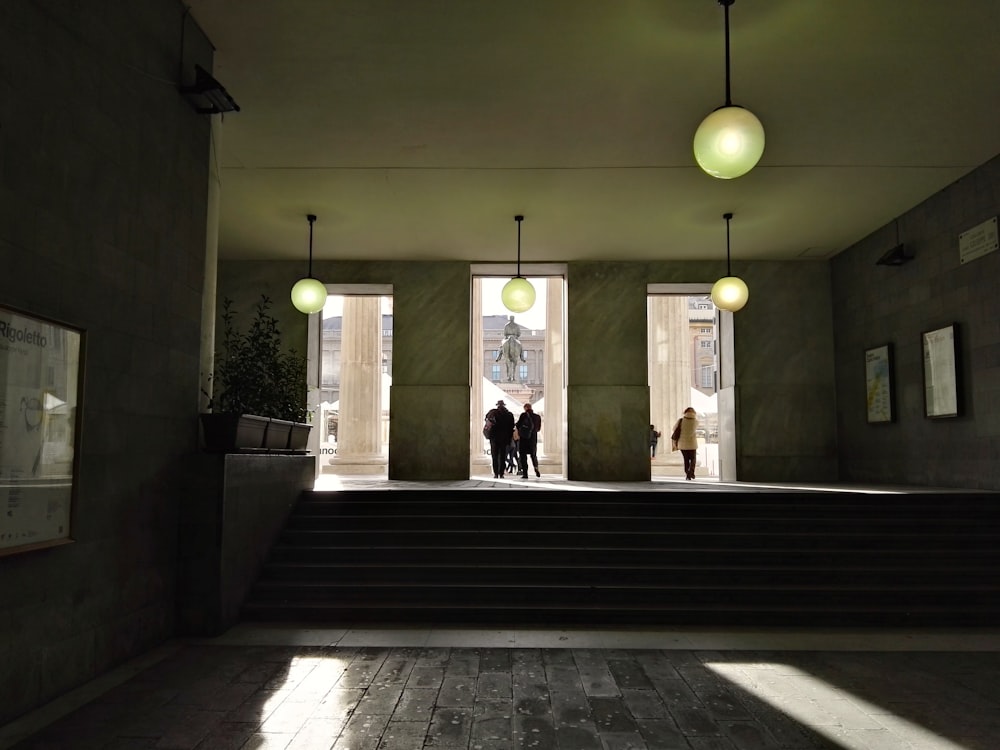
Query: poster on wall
x=39, y=400
x=878, y=384
x=940, y=372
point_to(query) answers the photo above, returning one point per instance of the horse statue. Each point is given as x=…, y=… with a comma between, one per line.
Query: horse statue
x=512, y=353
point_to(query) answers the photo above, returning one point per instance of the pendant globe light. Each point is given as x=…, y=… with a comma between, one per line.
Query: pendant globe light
x=518, y=295
x=730, y=292
x=309, y=293
x=730, y=141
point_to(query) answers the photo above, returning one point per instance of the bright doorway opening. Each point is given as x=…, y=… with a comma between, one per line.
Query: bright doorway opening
x=683, y=328
x=518, y=358
x=351, y=363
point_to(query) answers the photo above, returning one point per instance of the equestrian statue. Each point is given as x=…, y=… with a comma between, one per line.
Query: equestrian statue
x=511, y=350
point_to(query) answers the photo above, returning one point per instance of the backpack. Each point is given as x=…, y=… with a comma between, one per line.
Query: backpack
x=526, y=428
x=488, y=426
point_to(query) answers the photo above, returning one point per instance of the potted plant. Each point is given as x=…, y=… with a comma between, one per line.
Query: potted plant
x=259, y=388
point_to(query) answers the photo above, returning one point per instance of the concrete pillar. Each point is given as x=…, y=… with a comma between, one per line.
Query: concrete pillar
x=552, y=445
x=477, y=443
x=669, y=368
x=359, y=442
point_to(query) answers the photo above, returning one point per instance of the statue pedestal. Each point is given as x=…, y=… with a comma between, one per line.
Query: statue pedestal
x=517, y=391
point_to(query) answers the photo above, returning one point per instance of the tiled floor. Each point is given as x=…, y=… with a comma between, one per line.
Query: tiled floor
x=411, y=688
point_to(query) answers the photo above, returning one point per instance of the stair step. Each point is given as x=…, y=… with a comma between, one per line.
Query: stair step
x=692, y=575
x=635, y=596
x=514, y=539
x=709, y=556
x=546, y=557
x=756, y=615
x=538, y=523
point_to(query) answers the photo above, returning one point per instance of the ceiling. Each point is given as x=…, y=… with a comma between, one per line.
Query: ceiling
x=417, y=130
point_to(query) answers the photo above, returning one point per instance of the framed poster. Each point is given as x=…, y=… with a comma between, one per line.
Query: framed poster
x=878, y=384
x=940, y=348
x=39, y=403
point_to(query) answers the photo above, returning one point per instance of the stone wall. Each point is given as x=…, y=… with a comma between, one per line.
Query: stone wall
x=233, y=509
x=877, y=304
x=783, y=347
x=103, y=181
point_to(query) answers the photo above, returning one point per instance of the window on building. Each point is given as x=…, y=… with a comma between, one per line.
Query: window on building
x=523, y=372
x=707, y=377
x=495, y=373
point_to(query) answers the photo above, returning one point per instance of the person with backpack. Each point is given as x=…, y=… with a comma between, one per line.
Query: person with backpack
x=528, y=425
x=501, y=433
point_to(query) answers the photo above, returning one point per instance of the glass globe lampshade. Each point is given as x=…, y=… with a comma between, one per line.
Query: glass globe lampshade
x=729, y=142
x=518, y=295
x=309, y=295
x=730, y=293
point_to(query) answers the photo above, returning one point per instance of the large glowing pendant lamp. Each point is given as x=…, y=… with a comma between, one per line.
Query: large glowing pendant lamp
x=730, y=292
x=518, y=295
x=309, y=293
x=730, y=141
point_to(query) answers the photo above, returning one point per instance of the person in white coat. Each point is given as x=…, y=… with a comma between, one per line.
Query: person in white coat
x=687, y=441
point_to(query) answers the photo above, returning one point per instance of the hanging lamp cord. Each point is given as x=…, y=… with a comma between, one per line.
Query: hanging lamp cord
x=727, y=217
x=725, y=4
x=518, y=219
x=311, y=219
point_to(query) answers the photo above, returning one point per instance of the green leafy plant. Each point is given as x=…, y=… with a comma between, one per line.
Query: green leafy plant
x=254, y=374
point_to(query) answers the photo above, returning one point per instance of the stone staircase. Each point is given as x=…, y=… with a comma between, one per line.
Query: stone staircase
x=537, y=557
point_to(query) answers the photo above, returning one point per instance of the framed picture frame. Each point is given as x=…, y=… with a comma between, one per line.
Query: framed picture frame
x=39, y=418
x=879, y=384
x=941, y=372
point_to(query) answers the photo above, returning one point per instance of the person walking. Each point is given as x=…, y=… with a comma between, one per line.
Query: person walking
x=654, y=438
x=528, y=425
x=686, y=441
x=512, y=461
x=500, y=436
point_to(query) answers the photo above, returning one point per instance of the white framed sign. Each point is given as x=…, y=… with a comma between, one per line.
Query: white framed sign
x=978, y=241
x=941, y=372
x=40, y=366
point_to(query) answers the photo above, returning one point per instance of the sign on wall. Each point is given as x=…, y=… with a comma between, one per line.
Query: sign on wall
x=978, y=241
x=39, y=399
x=941, y=397
x=878, y=383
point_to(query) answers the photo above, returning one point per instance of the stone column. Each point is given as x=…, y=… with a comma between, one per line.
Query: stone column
x=669, y=369
x=551, y=447
x=359, y=441
x=477, y=443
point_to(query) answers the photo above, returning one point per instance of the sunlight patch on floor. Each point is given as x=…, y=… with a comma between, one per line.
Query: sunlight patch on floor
x=840, y=716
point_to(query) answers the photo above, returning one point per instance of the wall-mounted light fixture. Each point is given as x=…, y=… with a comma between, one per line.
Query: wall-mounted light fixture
x=730, y=292
x=896, y=256
x=309, y=293
x=730, y=141
x=208, y=96
x=518, y=295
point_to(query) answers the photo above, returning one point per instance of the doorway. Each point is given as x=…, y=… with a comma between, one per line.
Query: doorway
x=350, y=368
x=534, y=374
x=687, y=352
